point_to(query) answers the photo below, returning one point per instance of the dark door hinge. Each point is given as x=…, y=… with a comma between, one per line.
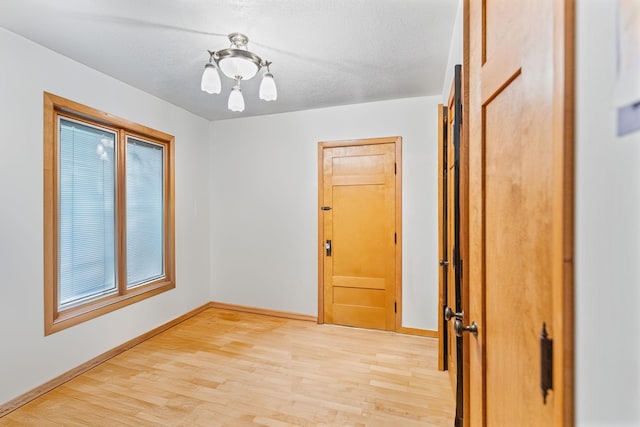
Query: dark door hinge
x=326, y=208
x=395, y=306
x=546, y=363
x=395, y=169
x=395, y=238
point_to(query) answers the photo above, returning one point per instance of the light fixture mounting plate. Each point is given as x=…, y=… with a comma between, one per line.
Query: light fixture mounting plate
x=239, y=40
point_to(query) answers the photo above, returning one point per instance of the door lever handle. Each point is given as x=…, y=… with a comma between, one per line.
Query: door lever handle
x=444, y=262
x=460, y=329
x=450, y=314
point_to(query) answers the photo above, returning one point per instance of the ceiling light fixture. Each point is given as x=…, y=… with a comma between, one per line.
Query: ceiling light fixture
x=237, y=63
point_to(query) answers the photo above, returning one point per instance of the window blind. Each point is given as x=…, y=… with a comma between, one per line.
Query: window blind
x=86, y=249
x=145, y=200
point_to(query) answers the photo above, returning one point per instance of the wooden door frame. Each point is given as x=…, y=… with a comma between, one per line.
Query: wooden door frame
x=463, y=168
x=464, y=205
x=443, y=126
x=397, y=140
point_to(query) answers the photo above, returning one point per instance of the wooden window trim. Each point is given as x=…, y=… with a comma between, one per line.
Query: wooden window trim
x=54, y=319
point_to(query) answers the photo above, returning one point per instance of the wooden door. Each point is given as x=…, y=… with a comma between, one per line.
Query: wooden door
x=448, y=233
x=520, y=207
x=453, y=236
x=444, y=344
x=359, y=235
x=451, y=283
x=455, y=168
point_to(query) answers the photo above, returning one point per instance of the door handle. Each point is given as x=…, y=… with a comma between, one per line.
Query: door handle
x=450, y=314
x=443, y=262
x=327, y=247
x=460, y=329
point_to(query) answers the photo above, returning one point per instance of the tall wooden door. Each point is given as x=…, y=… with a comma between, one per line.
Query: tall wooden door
x=520, y=207
x=451, y=274
x=359, y=236
x=444, y=339
x=451, y=235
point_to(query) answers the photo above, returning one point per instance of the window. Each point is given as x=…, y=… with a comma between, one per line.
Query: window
x=108, y=213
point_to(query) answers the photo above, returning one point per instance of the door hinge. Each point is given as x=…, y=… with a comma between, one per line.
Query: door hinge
x=395, y=169
x=395, y=238
x=395, y=306
x=326, y=208
x=546, y=363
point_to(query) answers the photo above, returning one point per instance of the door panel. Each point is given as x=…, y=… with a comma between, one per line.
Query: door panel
x=519, y=221
x=456, y=172
x=354, y=296
x=359, y=275
x=360, y=229
x=451, y=230
x=443, y=239
x=451, y=237
x=516, y=189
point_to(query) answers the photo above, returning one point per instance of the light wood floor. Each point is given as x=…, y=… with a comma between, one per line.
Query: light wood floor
x=229, y=368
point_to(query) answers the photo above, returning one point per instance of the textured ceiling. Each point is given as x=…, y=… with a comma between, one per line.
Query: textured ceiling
x=324, y=52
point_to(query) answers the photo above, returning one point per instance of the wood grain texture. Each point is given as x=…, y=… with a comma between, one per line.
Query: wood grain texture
x=359, y=186
x=39, y=391
x=69, y=106
x=473, y=16
x=464, y=201
x=442, y=247
x=341, y=172
x=521, y=209
x=263, y=311
x=452, y=349
x=398, y=252
x=230, y=368
x=50, y=211
x=564, y=197
x=419, y=332
x=320, y=236
x=54, y=319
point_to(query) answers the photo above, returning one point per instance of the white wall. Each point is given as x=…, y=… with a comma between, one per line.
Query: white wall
x=264, y=203
x=257, y=187
x=607, y=282
x=455, y=54
x=27, y=358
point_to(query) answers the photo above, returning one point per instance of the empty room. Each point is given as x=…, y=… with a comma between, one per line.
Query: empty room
x=320, y=213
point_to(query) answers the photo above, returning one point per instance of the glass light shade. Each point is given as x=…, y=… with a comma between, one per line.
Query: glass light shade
x=268, y=91
x=236, y=101
x=233, y=67
x=210, y=79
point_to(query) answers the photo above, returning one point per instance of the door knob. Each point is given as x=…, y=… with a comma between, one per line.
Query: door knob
x=450, y=314
x=460, y=329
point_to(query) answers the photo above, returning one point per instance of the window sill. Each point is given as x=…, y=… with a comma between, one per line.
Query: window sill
x=75, y=315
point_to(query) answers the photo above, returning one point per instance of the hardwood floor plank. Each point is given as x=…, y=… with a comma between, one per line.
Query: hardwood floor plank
x=229, y=368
